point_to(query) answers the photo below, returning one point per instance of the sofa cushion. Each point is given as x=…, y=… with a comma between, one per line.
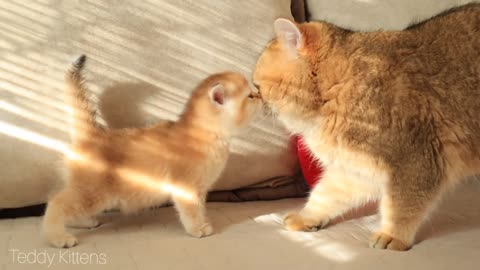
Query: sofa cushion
x=145, y=58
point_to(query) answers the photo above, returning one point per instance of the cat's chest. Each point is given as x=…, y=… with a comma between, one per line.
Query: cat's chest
x=323, y=146
x=333, y=152
x=311, y=131
x=294, y=124
x=335, y=155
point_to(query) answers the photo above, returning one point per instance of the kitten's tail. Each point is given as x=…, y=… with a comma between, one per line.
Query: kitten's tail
x=82, y=115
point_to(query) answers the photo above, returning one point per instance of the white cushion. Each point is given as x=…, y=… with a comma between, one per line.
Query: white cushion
x=373, y=15
x=144, y=59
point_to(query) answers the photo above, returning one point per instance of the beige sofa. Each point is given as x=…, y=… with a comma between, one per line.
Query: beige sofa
x=145, y=58
x=144, y=54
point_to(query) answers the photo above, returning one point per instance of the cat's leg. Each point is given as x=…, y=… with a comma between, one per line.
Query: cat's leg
x=192, y=214
x=335, y=194
x=408, y=198
x=66, y=207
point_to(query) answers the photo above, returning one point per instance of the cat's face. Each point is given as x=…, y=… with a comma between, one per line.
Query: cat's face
x=273, y=68
x=280, y=71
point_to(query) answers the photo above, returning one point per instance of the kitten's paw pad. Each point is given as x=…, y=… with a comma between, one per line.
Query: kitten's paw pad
x=384, y=241
x=203, y=231
x=63, y=240
x=296, y=222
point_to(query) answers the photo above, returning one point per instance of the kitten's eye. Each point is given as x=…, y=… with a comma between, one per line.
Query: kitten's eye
x=250, y=95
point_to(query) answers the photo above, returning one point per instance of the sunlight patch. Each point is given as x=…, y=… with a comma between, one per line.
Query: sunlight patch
x=316, y=241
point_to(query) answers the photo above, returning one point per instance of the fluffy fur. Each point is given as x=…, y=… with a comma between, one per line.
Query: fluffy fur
x=373, y=15
x=391, y=115
x=132, y=169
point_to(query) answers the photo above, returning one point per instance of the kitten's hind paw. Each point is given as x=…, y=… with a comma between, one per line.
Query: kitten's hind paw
x=296, y=222
x=203, y=231
x=64, y=240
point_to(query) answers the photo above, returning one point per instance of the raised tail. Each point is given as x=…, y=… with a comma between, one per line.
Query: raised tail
x=82, y=115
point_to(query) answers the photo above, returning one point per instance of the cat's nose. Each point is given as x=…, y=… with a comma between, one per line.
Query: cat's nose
x=256, y=94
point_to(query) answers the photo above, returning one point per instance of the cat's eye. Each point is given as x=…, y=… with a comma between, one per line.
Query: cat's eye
x=250, y=95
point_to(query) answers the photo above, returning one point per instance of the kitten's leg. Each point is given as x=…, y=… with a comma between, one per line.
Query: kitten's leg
x=84, y=223
x=334, y=195
x=192, y=215
x=406, y=202
x=64, y=208
x=54, y=222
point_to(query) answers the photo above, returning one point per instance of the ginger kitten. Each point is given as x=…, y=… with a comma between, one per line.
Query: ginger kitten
x=393, y=116
x=132, y=169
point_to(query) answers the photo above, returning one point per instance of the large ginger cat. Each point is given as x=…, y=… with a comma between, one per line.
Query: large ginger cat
x=393, y=116
x=132, y=169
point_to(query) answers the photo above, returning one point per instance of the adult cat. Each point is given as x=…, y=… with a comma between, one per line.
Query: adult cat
x=391, y=115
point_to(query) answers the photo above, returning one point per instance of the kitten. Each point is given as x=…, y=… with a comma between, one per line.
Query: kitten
x=391, y=115
x=132, y=169
x=374, y=15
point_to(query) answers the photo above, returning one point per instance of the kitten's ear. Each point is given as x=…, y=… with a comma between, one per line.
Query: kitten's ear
x=217, y=94
x=288, y=32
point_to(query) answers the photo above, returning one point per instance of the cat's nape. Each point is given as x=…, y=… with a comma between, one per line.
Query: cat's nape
x=393, y=116
x=133, y=169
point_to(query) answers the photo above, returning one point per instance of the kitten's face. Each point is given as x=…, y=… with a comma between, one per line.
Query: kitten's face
x=235, y=100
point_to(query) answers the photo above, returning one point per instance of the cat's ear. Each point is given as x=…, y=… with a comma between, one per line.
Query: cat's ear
x=217, y=94
x=288, y=33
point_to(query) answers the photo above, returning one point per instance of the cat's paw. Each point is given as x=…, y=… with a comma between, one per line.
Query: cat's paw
x=202, y=231
x=297, y=222
x=381, y=240
x=62, y=240
x=88, y=223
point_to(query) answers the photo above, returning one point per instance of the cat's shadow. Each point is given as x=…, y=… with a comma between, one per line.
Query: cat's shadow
x=120, y=104
x=166, y=218
x=458, y=212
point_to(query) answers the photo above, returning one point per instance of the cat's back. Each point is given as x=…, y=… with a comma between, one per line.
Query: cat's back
x=426, y=77
x=466, y=17
x=439, y=59
x=455, y=31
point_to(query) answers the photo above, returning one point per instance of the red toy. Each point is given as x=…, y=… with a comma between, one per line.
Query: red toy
x=311, y=170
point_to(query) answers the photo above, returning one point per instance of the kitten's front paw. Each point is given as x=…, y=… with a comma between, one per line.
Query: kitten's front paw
x=64, y=240
x=203, y=231
x=297, y=222
x=384, y=241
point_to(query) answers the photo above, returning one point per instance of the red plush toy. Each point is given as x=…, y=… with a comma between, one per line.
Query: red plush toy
x=312, y=172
